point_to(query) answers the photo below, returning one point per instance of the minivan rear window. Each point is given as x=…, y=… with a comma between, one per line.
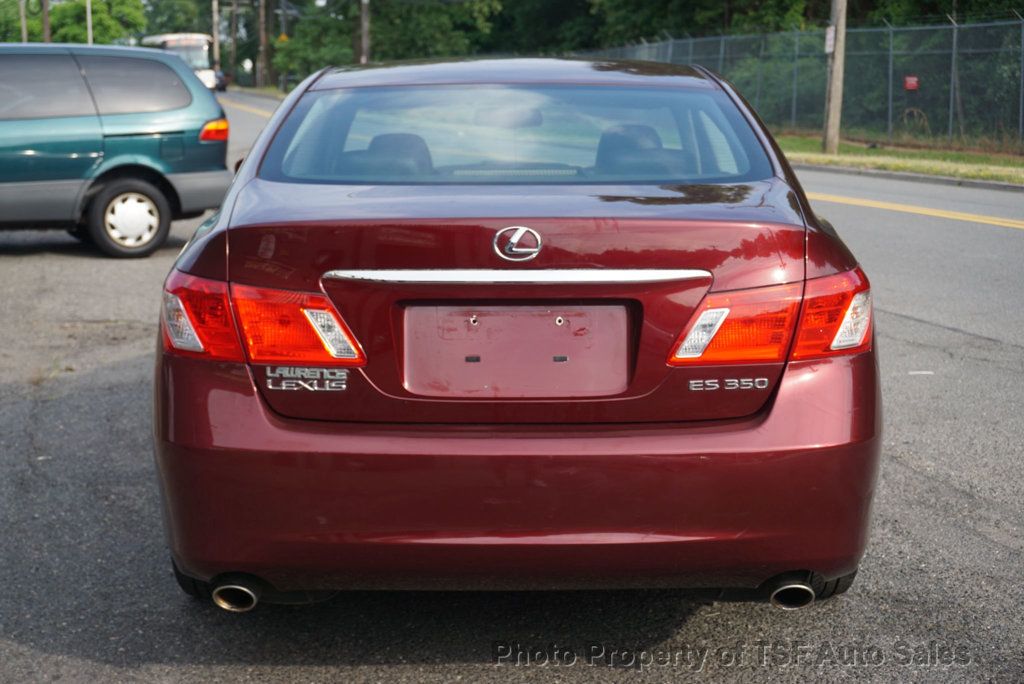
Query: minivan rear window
x=128, y=85
x=41, y=87
x=515, y=134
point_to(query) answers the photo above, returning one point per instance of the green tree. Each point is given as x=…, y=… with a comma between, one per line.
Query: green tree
x=175, y=16
x=112, y=20
x=323, y=36
x=429, y=28
x=932, y=11
x=625, y=21
x=10, y=29
x=401, y=29
x=538, y=26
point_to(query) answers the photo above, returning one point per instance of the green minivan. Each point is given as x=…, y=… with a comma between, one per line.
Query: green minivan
x=109, y=143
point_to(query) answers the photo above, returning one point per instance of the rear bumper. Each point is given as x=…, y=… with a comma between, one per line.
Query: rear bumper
x=200, y=190
x=308, y=505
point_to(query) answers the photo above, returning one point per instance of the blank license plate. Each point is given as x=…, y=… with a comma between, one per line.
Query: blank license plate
x=516, y=351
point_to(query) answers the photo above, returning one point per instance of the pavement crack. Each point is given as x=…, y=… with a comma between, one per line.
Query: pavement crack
x=35, y=454
x=953, y=354
x=988, y=516
x=950, y=328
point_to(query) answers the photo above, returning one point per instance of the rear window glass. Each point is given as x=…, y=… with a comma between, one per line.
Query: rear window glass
x=123, y=85
x=42, y=86
x=515, y=134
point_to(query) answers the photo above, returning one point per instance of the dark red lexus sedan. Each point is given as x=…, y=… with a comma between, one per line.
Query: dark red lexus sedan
x=516, y=324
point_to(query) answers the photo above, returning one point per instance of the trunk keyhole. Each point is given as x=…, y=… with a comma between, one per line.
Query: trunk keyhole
x=473, y=320
x=559, y=321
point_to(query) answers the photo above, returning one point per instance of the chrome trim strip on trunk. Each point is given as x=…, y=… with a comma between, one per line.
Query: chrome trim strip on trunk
x=525, y=276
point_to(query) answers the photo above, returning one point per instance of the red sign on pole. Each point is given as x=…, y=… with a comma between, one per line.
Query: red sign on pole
x=911, y=83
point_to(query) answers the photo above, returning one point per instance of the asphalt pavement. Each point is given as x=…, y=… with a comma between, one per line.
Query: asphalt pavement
x=85, y=587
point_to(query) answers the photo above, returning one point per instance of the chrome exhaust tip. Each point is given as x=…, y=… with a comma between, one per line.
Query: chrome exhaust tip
x=792, y=595
x=235, y=598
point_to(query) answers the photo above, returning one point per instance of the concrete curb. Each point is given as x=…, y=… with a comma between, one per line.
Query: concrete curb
x=906, y=175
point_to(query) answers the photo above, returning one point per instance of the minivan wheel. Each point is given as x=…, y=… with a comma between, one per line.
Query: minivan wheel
x=129, y=218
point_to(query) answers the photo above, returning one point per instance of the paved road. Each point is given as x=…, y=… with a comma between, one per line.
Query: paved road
x=85, y=592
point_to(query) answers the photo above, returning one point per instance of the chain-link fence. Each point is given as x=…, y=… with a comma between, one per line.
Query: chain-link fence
x=922, y=83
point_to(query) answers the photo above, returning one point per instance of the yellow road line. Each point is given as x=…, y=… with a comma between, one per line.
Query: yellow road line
x=247, y=108
x=923, y=211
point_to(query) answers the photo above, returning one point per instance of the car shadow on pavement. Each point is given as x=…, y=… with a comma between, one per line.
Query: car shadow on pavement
x=87, y=574
x=29, y=242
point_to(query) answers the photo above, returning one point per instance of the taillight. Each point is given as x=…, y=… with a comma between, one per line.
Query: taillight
x=757, y=325
x=197, y=319
x=282, y=326
x=277, y=326
x=742, y=326
x=836, y=316
x=215, y=131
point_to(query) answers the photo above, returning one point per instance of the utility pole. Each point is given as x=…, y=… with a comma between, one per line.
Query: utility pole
x=955, y=97
x=45, y=6
x=215, y=25
x=24, y=26
x=282, y=7
x=364, y=31
x=88, y=21
x=837, y=61
x=261, y=67
x=234, y=41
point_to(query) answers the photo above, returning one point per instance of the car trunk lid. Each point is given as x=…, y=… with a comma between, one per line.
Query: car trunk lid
x=579, y=332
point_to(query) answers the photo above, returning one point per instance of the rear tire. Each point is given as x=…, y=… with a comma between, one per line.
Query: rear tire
x=837, y=586
x=191, y=586
x=129, y=218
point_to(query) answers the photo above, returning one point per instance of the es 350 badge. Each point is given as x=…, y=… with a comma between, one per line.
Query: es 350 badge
x=712, y=384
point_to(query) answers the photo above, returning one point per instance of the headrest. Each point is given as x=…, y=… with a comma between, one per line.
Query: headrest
x=635, y=150
x=407, y=153
x=623, y=139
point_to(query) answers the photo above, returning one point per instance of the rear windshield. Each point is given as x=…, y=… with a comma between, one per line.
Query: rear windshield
x=515, y=134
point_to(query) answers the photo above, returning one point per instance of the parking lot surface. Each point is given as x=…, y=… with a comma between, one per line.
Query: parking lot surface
x=85, y=587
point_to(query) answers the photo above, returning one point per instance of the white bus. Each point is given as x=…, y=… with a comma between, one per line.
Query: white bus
x=195, y=49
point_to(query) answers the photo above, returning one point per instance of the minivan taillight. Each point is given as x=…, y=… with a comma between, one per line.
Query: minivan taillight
x=757, y=325
x=277, y=326
x=215, y=131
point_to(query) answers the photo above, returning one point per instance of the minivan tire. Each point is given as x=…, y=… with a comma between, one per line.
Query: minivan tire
x=81, y=233
x=145, y=218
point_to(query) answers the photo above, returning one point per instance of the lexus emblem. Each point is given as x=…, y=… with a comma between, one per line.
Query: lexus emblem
x=517, y=243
